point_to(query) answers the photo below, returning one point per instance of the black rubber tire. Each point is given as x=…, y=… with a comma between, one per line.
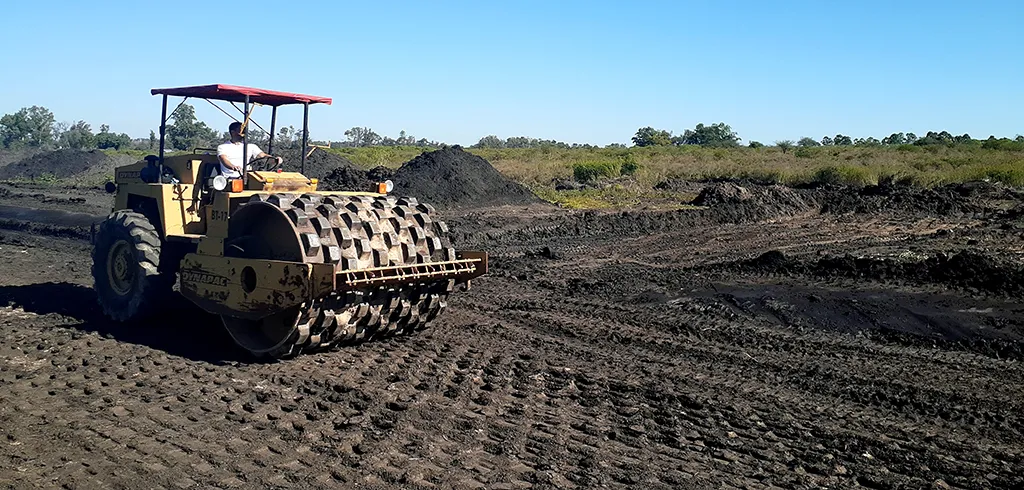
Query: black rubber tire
x=146, y=288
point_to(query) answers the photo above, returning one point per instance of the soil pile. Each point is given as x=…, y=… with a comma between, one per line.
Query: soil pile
x=772, y=200
x=346, y=178
x=319, y=163
x=61, y=164
x=963, y=269
x=951, y=200
x=8, y=156
x=452, y=177
x=722, y=193
x=679, y=185
x=380, y=173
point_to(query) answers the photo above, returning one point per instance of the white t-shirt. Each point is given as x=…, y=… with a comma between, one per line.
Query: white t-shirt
x=233, y=152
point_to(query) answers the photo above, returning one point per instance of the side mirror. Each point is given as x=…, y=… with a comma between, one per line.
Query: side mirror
x=110, y=187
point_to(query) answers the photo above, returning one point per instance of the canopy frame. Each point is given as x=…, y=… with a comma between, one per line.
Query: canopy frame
x=247, y=96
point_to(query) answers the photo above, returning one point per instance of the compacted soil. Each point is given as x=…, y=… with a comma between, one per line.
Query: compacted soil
x=757, y=343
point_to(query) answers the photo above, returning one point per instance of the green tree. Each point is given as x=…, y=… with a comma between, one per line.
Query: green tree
x=806, y=141
x=186, y=132
x=933, y=138
x=29, y=127
x=649, y=136
x=358, y=136
x=756, y=144
x=107, y=140
x=895, y=139
x=490, y=141
x=78, y=136
x=716, y=136
x=842, y=140
x=826, y=141
x=784, y=145
x=152, y=139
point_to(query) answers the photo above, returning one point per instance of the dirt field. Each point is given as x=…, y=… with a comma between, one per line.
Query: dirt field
x=758, y=343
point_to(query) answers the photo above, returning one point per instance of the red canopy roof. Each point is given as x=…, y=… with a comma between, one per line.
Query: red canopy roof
x=235, y=93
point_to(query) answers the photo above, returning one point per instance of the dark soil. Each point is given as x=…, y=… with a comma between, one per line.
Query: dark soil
x=453, y=177
x=380, y=173
x=956, y=200
x=61, y=164
x=8, y=156
x=602, y=349
x=967, y=269
x=680, y=185
x=40, y=196
x=346, y=178
x=945, y=201
x=319, y=163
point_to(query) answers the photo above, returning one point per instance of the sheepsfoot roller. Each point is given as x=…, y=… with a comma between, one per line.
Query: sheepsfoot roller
x=286, y=267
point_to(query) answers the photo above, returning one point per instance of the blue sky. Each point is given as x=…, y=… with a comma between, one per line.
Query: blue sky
x=574, y=71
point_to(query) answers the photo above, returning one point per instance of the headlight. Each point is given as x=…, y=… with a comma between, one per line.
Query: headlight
x=220, y=182
x=388, y=185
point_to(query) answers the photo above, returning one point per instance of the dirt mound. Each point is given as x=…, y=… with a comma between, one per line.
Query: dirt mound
x=722, y=193
x=319, y=163
x=452, y=177
x=8, y=156
x=61, y=164
x=951, y=200
x=679, y=185
x=380, y=173
x=774, y=199
x=963, y=269
x=965, y=199
x=346, y=178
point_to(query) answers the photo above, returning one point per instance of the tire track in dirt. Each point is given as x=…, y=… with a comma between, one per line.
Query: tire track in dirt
x=550, y=373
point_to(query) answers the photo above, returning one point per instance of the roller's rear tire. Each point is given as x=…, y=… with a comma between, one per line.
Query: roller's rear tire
x=126, y=267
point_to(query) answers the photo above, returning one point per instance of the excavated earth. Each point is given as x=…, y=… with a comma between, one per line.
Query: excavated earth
x=776, y=338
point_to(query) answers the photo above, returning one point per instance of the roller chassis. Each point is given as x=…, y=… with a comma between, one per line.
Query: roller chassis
x=288, y=269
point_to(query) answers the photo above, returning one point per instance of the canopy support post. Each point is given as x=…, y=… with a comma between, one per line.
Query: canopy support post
x=305, y=134
x=163, y=131
x=245, y=146
x=273, y=123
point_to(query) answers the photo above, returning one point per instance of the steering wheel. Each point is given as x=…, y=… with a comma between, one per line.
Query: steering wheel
x=268, y=163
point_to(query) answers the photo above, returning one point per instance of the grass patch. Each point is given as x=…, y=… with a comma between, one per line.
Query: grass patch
x=928, y=166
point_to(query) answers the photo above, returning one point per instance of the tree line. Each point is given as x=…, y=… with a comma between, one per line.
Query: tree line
x=721, y=135
x=36, y=127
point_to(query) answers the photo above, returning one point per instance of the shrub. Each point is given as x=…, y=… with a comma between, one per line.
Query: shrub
x=588, y=171
x=842, y=175
x=628, y=165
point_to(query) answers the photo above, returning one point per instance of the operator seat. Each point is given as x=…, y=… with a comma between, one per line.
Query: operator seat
x=204, y=182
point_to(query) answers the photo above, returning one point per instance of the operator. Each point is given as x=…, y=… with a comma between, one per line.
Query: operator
x=230, y=154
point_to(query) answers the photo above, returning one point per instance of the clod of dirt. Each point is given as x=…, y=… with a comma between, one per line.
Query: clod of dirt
x=452, y=177
x=61, y=164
